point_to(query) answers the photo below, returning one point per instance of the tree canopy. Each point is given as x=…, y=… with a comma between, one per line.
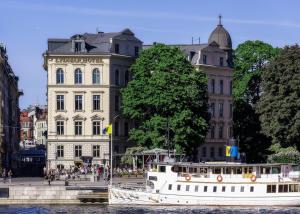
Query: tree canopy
x=168, y=98
x=279, y=105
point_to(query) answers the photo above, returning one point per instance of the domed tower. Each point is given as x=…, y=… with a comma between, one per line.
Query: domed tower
x=221, y=36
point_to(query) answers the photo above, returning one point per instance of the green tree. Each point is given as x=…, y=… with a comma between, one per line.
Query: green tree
x=279, y=106
x=168, y=99
x=250, y=60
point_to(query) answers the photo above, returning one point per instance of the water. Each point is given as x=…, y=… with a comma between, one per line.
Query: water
x=82, y=209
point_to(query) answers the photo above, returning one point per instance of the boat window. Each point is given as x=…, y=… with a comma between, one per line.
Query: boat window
x=203, y=170
x=227, y=170
x=217, y=170
x=294, y=188
x=178, y=187
x=183, y=169
x=252, y=189
x=152, y=178
x=162, y=168
x=223, y=188
x=215, y=189
x=276, y=170
x=187, y=188
x=242, y=188
x=283, y=188
x=170, y=186
x=232, y=188
x=174, y=169
x=239, y=171
x=250, y=170
x=271, y=188
x=205, y=189
x=196, y=188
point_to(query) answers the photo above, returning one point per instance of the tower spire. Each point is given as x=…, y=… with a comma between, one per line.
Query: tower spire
x=220, y=19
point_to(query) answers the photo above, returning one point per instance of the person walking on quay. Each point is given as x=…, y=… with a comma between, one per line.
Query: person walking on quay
x=4, y=175
x=9, y=174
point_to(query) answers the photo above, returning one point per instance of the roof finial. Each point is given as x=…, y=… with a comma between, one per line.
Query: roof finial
x=220, y=19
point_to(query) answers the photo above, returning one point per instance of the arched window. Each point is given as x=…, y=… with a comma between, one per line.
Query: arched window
x=96, y=76
x=126, y=78
x=59, y=76
x=78, y=76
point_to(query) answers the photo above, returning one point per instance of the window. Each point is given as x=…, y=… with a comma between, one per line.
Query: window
x=230, y=132
x=204, y=152
x=170, y=187
x=126, y=77
x=96, y=76
x=212, y=132
x=221, y=61
x=136, y=51
x=192, y=54
x=60, y=127
x=230, y=88
x=221, y=86
x=78, y=76
x=96, y=128
x=162, y=169
x=178, y=187
x=242, y=188
x=252, y=189
x=78, y=151
x=117, y=48
x=60, y=102
x=59, y=76
x=220, y=151
x=221, y=132
x=78, y=127
x=60, y=151
x=233, y=189
x=214, y=189
x=230, y=110
x=292, y=188
x=283, y=188
x=223, y=188
x=196, y=188
x=116, y=128
x=204, y=59
x=96, y=102
x=212, y=109
x=187, y=188
x=152, y=178
x=78, y=102
x=271, y=188
x=117, y=80
x=96, y=151
x=205, y=189
x=77, y=46
x=126, y=129
x=212, y=152
x=212, y=86
x=221, y=107
x=117, y=103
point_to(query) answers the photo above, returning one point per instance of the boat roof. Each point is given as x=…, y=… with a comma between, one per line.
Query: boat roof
x=223, y=164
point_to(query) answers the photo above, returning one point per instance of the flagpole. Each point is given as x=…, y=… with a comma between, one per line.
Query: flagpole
x=111, y=154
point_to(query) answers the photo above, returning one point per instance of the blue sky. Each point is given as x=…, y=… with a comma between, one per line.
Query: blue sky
x=25, y=26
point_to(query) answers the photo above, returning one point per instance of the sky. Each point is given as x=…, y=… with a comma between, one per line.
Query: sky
x=25, y=26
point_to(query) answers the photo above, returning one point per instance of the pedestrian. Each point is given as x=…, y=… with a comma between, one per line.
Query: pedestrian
x=49, y=178
x=4, y=175
x=45, y=171
x=9, y=174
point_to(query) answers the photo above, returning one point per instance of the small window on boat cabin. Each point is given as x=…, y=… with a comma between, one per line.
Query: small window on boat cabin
x=215, y=189
x=252, y=189
x=223, y=188
x=239, y=171
x=162, y=168
x=152, y=178
x=196, y=188
x=217, y=170
x=205, y=189
x=265, y=170
x=294, y=188
x=233, y=189
x=276, y=170
x=242, y=188
x=170, y=187
x=271, y=188
x=227, y=170
x=178, y=187
x=283, y=188
x=187, y=188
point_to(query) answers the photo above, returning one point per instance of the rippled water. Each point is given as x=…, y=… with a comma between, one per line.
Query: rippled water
x=81, y=209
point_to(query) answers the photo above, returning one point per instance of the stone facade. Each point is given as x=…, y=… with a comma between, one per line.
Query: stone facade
x=9, y=112
x=85, y=74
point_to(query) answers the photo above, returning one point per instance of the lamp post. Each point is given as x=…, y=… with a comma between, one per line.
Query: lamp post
x=111, y=148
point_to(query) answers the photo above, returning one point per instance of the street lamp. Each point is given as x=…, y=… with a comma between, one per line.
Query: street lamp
x=111, y=148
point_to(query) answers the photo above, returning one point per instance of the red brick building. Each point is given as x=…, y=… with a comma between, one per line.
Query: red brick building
x=26, y=127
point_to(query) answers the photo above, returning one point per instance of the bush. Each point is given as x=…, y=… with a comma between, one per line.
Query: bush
x=285, y=157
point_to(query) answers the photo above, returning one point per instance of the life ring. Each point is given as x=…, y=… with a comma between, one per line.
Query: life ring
x=253, y=178
x=219, y=178
x=187, y=177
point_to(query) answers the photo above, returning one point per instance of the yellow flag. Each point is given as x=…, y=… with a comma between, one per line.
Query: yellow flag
x=228, y=151
x=109, y=129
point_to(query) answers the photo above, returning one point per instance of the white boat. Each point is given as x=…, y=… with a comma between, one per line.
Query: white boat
x=216, y=184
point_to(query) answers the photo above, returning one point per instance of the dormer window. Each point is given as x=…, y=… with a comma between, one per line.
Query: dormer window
x=117, y=48
x=136, y=51
x=77, y=46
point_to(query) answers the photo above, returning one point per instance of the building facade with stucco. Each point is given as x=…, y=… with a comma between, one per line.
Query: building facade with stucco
x=85, y=74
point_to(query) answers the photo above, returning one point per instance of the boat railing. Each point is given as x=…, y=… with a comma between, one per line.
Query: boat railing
x=131, y=186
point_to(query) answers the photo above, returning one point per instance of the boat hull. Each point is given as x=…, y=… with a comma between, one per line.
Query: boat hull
x=119, y=196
